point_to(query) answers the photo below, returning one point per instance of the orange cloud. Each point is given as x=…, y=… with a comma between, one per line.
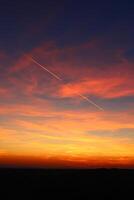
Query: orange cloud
x=66, y=161
x=5, y=92
x=112, y=82
x=112, y=87
x=38, y=120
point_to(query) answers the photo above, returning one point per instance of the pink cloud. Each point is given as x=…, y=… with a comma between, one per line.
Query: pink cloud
x=113, y=87
x=108, y=82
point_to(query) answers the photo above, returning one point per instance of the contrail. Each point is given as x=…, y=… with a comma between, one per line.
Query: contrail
x=90, y=101
x=59, y=79
x=54, y=75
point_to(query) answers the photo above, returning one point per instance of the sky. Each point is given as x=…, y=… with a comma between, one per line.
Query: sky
x=45, y=122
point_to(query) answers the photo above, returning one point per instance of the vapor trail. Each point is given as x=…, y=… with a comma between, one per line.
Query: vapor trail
x=53, y=74
x=90, y=101
x=58, y=78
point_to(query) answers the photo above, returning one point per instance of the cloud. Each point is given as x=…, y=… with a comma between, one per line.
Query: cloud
x=5, y=92
x=108, y=88
x=2, y=55
x=123, y=133
x=82, y=77
x=39, y=116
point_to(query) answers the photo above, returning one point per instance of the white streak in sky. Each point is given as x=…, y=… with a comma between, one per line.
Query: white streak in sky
x=90, y=101
x=54, y=75
x=58, y=78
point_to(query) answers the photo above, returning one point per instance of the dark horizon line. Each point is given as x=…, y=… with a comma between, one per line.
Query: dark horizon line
x=63, y=168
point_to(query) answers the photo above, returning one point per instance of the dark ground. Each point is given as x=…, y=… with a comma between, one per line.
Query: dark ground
x=64, y=184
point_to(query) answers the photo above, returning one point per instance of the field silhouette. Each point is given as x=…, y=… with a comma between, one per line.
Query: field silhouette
x=67, y=183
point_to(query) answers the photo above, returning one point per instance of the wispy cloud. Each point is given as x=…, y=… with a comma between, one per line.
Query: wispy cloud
x=40, y=115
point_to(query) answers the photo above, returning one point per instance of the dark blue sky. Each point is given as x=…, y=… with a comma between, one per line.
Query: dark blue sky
x=26, y=24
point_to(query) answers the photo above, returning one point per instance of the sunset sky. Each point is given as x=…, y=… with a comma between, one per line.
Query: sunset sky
x=90, y=46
